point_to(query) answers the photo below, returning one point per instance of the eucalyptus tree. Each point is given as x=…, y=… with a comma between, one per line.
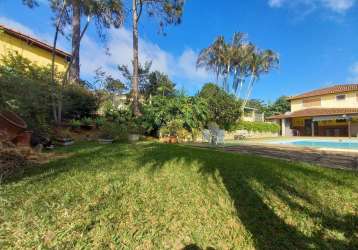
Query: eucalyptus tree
x=30, y=3
x=106, y=14
x=168, y=12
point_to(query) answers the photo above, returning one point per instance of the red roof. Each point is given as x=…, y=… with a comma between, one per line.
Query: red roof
x=34, y=41
x=316, y=112
x=341, y=88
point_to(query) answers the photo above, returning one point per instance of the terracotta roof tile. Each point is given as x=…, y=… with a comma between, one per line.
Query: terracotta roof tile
x=34, y=41
x=341, y=88
x=317, y=112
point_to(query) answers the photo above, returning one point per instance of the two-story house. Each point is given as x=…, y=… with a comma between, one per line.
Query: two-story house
x=31, y=48
x=331, y=111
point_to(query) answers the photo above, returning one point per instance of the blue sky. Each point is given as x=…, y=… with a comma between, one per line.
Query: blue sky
x=317, y=40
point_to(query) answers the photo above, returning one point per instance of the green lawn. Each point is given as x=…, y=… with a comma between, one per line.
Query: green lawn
x=156, y=196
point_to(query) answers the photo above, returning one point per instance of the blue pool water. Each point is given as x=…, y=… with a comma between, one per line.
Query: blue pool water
x=344, y=144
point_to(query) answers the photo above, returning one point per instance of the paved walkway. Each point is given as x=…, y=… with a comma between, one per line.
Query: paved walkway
x=332, y=159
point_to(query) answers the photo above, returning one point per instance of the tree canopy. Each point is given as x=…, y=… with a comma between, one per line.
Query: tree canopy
x=224, y=109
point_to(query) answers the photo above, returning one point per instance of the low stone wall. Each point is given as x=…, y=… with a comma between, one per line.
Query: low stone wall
x=248, y=134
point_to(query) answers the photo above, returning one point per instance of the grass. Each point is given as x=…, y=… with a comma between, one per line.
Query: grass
x=155, y=196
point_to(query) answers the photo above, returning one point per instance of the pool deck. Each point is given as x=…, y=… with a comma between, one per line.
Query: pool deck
x=326, y=157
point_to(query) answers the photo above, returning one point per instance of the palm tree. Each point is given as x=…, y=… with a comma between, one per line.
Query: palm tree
x=241, y=66
x=238, y=60
x=212, y=57
x=260, y=62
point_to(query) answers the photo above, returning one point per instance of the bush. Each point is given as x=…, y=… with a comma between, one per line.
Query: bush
x=87, y=121
x=79, y=102
x=113, y=130
x=75, y=124
x=257, y=126
x=224, y=109
x=164, y=111
x=25, y=90
x=99, y=122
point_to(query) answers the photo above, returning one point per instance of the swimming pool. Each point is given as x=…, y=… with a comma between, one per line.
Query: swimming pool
x=332, y=144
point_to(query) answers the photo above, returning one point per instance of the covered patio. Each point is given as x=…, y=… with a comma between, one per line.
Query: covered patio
x=331, y=122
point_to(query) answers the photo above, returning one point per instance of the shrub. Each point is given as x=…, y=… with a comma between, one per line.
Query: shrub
x=112, y=130
x=224, y=109
x=99, y=122
x=161, y=111
x=75, y=124
x=25, y=89
x=79, y=102
x=87, y=121
x=257, y=126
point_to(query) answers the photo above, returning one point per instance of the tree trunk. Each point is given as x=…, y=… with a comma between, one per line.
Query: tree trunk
x=53, y=81
x=76, y=34
x=135, y=76
x=249, y=90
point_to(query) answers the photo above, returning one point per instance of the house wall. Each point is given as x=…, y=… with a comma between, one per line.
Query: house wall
x=326, y=101
x=37, y=55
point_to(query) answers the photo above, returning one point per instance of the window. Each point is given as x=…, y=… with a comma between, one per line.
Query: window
x=340, y=97
x=311, y=102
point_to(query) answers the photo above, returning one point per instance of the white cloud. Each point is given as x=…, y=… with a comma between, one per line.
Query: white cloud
x=120, y=48
x=119, y=44
x=17, y=26
x=338, y=6
x=276, y=3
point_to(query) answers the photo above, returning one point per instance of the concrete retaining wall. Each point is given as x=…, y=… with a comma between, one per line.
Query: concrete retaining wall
x=248, y=134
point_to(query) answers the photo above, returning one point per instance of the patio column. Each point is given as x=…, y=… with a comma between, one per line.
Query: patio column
x=312, y=125
x=349, y=128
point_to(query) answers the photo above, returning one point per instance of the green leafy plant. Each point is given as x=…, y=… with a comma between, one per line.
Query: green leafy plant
x=99, y=121
x=223, y=108
x=112, y=130
x=87, y=121
x=174, y=126
x=75, y=124
x=257, y=126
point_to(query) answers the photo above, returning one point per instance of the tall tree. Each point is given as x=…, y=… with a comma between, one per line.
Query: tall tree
x=237, y=61
x=168, y=12
x=260, y=62
x=106, y=13
x=30, y=3
x=212, y=57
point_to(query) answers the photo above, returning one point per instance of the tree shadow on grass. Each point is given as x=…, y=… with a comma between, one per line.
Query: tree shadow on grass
x=78, y=157
x=239, y=174
x=268, y=230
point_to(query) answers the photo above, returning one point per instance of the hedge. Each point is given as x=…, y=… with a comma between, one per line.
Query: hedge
x=257, y=126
